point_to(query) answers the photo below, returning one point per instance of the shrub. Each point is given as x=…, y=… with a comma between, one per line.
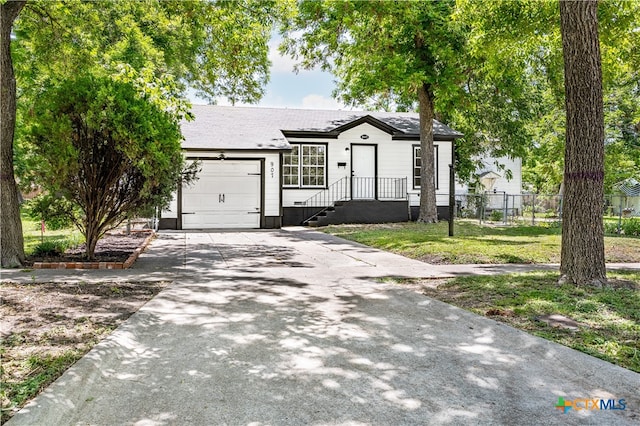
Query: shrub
x=611, y=228
x=629, y=227
x=496, y=216
x=51, y=248
x=56, y=212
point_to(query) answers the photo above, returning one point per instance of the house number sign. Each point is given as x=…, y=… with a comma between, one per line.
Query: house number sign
x=272, y=170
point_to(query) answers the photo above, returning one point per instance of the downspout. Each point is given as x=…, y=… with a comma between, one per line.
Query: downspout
x=452, y=187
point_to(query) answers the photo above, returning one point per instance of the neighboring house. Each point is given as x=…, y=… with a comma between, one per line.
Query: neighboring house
x=267, y=168
x=501, y=180
x=627, y=200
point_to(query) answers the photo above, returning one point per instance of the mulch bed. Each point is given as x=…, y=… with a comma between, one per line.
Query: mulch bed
x=113, y=251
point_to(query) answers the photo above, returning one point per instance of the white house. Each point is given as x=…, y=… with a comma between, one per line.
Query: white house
x=267, y=168
x=500, y=180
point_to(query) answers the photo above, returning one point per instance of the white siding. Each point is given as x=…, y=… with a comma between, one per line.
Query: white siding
x=271, y=178
x=513, y=186
x=502, y=185
x=395, y=160
x=272, y=184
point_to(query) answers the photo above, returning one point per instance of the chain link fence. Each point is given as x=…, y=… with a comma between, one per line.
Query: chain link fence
x=535, y=209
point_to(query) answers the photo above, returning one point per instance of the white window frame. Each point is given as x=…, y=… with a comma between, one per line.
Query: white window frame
x=307, y=162
x=416, y=167
x=296, y=174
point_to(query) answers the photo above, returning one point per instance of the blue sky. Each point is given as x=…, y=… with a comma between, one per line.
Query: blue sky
x=286, y=89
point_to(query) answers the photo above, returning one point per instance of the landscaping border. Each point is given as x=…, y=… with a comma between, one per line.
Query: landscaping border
x=99, y=265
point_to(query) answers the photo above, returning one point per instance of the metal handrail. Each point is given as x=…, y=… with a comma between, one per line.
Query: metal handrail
x=337, y=191
x=384, y=189
x=379, y=188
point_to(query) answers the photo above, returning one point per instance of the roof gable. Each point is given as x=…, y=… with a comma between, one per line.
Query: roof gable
x=245, y=128
x=368, y=119
x=333, y=133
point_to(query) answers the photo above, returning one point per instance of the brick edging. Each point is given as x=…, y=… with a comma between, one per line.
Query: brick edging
x=99, y=265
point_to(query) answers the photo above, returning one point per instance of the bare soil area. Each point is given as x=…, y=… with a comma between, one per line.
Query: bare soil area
x=46, y=327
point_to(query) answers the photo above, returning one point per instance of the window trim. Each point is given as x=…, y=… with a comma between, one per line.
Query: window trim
x=284, y=175
x=300, y=165
x=435, y=165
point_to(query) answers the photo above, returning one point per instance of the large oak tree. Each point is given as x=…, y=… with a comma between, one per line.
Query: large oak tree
x=11, y=242
x=570, y=116
x=385, y=53
x=582, y=255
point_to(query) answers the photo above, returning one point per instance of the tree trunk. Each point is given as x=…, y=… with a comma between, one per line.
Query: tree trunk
x=582, y=255
x=11, y=239
x=428, y=210
x=91, y=240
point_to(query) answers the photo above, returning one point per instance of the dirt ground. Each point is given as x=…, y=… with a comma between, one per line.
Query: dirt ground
x=46, y=327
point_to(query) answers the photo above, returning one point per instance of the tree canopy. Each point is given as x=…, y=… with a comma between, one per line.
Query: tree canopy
x=217, y=48
x=385, y=53
x=525, y=35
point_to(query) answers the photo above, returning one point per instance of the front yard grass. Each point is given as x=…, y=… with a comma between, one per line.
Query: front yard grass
x=609, y=319
x=473, y=243
x=32, y=233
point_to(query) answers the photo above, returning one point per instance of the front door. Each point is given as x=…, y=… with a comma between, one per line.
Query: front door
x=363, y=172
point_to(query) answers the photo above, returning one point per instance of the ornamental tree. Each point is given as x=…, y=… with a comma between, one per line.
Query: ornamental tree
x=107, y=149
x=219, y=48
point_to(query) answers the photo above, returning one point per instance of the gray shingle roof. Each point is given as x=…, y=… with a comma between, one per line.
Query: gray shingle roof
x=630, y=187
x=223, y=127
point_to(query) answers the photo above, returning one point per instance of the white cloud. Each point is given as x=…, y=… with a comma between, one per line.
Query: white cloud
x=314, y=101
x=279, y=63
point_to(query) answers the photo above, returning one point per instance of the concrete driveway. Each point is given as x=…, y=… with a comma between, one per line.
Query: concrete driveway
x=295, y=327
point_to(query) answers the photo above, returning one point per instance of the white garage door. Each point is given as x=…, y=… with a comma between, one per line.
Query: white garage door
x=226, y=195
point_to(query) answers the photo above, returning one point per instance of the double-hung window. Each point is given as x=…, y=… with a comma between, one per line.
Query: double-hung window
x=417, y=165
x=305, y=166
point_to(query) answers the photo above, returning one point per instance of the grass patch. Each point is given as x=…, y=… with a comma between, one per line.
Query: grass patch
x=609, y=318
x=474, y=243
x=33, y=238
x=38, y=372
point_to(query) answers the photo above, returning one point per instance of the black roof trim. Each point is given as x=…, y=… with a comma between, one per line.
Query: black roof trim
x=257, y=150
x=368, y=119
x=310, y=134
x=406, y=137
x=415, y=137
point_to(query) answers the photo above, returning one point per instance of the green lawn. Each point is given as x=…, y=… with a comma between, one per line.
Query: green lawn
x=475, y=243
x=33, y=235
x=609, y=319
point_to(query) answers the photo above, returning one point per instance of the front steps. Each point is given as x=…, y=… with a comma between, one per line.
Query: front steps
x=362, y=211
